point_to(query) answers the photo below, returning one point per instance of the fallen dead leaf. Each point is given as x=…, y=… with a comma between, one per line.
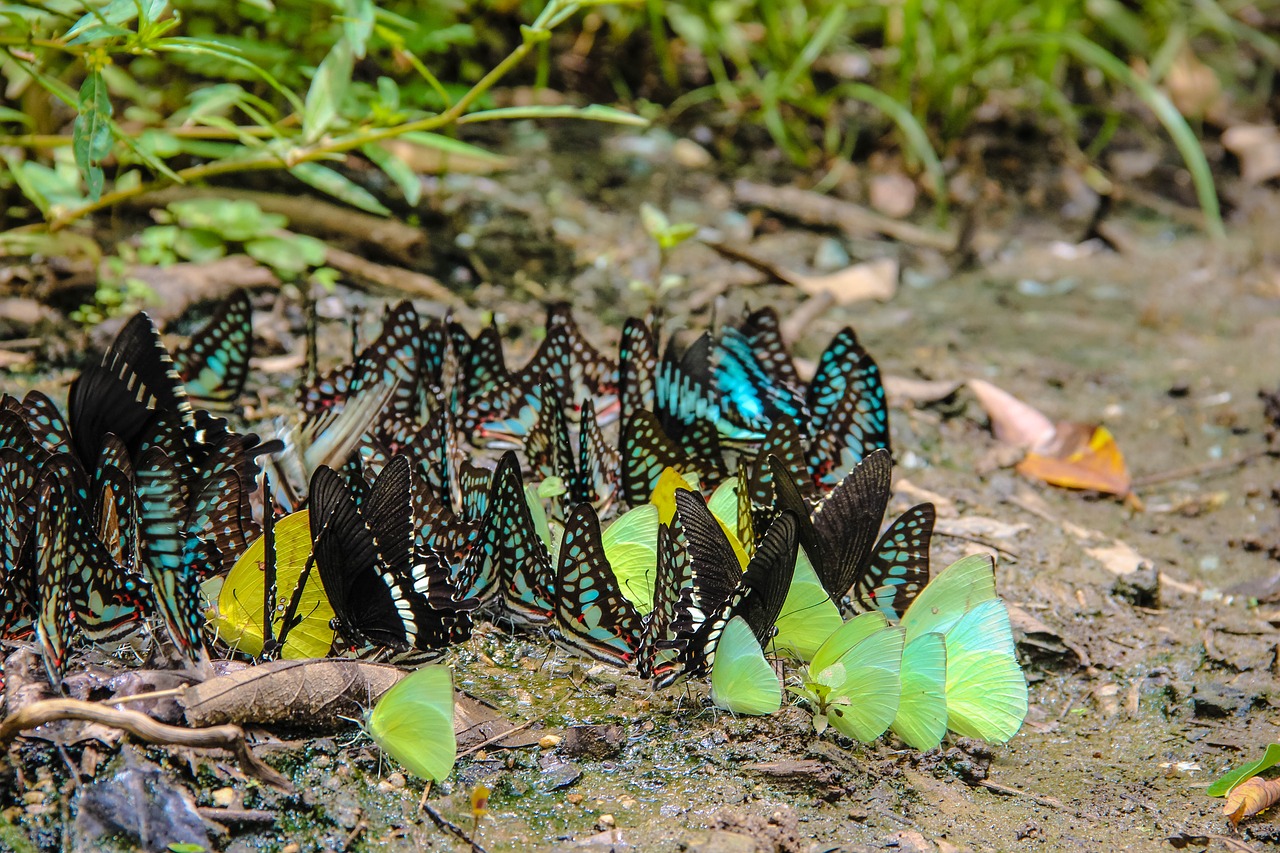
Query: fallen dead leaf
x=1257, y=147
x=978, y=526
x=1080, y=457
x=942, y=505
x=876, y=280
x=902, y=390
x=1193, y=86
x=1119, y=558
x=1250, y=798
x=1013, y=421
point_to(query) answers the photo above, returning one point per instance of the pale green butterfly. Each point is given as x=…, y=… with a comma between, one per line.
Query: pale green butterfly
x=861, y=687
x=808, y=616
x=413, y=723
x=921, y=721
x=986, y=690
x=742, y=681
x=631, y=547
x=956, y=590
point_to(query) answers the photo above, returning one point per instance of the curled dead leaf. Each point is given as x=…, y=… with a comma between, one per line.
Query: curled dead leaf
x=1013, y=421
x=1251, y=797
x=876, y=280
x=1080, y=457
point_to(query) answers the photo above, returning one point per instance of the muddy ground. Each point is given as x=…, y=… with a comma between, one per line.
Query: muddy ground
x=1151, y=670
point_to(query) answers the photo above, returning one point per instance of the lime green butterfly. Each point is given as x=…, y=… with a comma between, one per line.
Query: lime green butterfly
x=986, y=692
x=921, y=720
x=808, y=616
x=742, y=681
x=413, y=723
x=631, y=547
x=855, y=678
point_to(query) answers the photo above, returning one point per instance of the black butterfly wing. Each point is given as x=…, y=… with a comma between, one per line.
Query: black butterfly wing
x=716, y=572
x=646, y=451
x=846, y=523
x=215, y=363
x=45, y=422
x=768, y=578
x=591, y=613
x=19, y=497
x=520, y=557
x=596, y=479
x=364, y=598
x=849, y=408
x=637, y=365
x=899, y=566
x=764, y=335
x=662, y=650
x=134, y=379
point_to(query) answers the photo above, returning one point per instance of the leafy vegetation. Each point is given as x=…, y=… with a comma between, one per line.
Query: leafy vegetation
x=114, y=98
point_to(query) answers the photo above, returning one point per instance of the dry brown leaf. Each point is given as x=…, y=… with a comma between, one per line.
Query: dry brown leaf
x=876, y=279
x=903, y=389
x=1257, y=147
x=1118, y=558
x=433, y=161
x=1080, y=457
x=1251, y=797
x=1013, y=421
x=1193, y=86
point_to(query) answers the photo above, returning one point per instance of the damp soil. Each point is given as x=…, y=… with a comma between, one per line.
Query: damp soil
x=1151, y=669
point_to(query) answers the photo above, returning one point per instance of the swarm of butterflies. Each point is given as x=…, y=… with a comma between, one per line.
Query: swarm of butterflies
x=427, y=484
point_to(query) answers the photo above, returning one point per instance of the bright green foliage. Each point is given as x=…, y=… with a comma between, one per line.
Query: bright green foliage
x=1223, y=785
x=413, y=723
x=742, y=681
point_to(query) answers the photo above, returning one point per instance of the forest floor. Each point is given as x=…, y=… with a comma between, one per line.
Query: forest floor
x=1152, y=667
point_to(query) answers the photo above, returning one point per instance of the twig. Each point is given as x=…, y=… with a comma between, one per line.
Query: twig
x=142, y=697
x=404, y=281
x=238, y=817
x=1204, y=469
x=1012, y=555
x=1051, y=802
x=508, y=733
x=444, y=825
x=815, y=209
x=228, y=737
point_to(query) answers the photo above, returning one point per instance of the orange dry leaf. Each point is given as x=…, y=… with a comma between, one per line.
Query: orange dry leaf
x=1080, y=457
x=1250, y=797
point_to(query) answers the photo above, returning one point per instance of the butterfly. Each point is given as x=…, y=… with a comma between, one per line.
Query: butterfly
x=589, y=471
x=509, y=556
x=79, y=584
x=742, y=681
x=134, y=379
x=413, y=723
x=18, y=502
x=382, y=594
x=170, y=551
x=720, y=589
x=754, y=399
x=986, y=692
x=808, y=616
x=592, y=615
x=214, y=365
x=482, y=366
x=637, y=364
x=856, y=676
x=838, y=535
x=45, y=423
x=646, y=452
x=848, y=408
x=660, y=647
x=921, y=720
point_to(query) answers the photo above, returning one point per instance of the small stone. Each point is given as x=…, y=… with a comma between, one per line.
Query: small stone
x=893, y=194
x=604, y=822
x=594, y=742
x=321, y=761
x=291, y=847
x=1141, y=587
x=690, y=154
x=559, y=775
x=223, y=798
x=574, y=799
x=32, y=798
x=1216, y=700
x=830, y=256
x=549, y=741
x=396, y=780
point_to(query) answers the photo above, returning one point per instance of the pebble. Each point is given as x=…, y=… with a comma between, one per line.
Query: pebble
x=830, y=256
x=690, y=154
x=605, y=821
x=549, y=741
x=224, y=797
x=291, y=847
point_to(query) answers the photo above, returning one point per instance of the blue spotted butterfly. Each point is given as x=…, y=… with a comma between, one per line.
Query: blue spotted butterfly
x=850, y=415
x=592, y=615
x=214, y=365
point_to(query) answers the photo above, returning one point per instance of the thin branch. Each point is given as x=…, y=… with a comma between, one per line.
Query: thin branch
x=228, y=737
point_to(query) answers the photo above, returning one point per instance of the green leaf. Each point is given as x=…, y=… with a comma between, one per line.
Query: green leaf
x=108, y=20
x=198, y=245
x=328, y=181
x=453, y=146
x=594, y=112
x=289, y=255
x=397, y=170
x=655, y=221
x=357, y=24
x=91, y=132
x=1225, y=783
x=676, y=234
x=186, y=847
x=10, y=114
x=328, y=89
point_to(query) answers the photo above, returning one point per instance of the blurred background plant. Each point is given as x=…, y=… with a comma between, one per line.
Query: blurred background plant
x=105, y=100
